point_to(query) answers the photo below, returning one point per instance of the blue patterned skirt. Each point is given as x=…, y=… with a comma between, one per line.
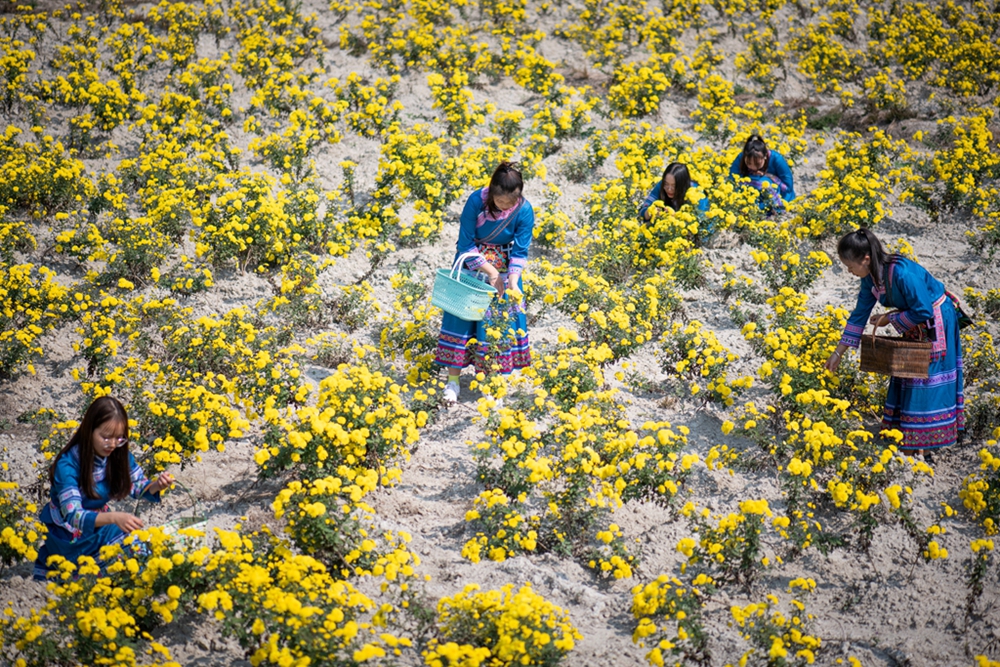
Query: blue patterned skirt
x=930, y=411
x=456, y=350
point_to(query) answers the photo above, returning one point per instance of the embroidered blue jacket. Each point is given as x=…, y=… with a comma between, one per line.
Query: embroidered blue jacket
x=906, y=286
x=475, y=226
x=72, y=511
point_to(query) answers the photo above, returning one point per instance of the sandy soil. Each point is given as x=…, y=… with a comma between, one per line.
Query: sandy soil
x=887, y=608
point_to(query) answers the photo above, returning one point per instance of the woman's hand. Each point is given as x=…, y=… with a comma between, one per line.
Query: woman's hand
x=879, y=320
x=163, y=481
x=494, y=278
x=833, y=363
x=127, y=522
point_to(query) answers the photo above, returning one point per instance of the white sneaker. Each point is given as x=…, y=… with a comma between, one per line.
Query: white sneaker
x=451, y=392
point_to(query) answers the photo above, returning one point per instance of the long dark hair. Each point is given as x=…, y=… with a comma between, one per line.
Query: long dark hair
x=682, y=181
x=755, y=146
x=118, y=476
x=854, y=247
x=506, y=179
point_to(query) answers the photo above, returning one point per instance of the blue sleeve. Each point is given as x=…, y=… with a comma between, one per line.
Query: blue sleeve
x=779, y=167
x=524, y=225
x=653, y=195
x=911, y=296
x=467, y=231
x=140, y=482
x=859, y=316
x=69, y=497
x=703, y=204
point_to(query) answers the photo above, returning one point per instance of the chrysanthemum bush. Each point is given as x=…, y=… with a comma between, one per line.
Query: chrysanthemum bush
x=670, y=618
x=694, y=354
x=409, y=332
x=779, y=634
x=514, y=627
x=360, y=418
x=980, y=491
x=113, y=607
x=556, y=487
x=32, y=302
x=19, y=530
x=857, y=184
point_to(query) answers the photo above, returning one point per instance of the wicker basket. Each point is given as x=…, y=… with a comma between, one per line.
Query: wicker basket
x=460, y=294
x=895, y=356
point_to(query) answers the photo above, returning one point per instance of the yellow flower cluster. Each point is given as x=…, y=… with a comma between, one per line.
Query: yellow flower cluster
x=693, y=353
x=728, y=547
x=19, y=530
x=360, y=420
x=980, y=492
x=669, y=618
x=40, y=177
x=555, y=487
x=855, y=186
x=778, y=637
x=516, y=627
x=32, y=302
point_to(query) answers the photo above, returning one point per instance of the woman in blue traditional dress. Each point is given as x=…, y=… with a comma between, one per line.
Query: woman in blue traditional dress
x=93, y=468
x=767, y=171
x=929, y=411
x=495, y=232
x=671, y=189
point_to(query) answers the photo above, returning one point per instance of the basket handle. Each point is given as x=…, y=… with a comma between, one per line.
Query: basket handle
x=195, y=503
x=456, y=268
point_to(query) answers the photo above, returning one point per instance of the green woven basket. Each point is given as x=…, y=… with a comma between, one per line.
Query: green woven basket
x=459, y=294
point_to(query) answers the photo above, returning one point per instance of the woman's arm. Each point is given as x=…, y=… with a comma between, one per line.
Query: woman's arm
x=523, y=226
x=467, y=232
x=127, y=522
x=859, y=316
x=653, y=195
x=911, y=295
x=855, y=324
x=779, y=165
x=142, y=487
x=69, y=496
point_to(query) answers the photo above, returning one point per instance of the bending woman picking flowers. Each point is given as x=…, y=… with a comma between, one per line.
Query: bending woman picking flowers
x=93, y=468
x=495, y=228
x=767, y=171
x=929, y=411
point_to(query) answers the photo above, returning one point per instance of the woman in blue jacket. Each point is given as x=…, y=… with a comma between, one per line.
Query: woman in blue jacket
x=766, y=170
x=672, y=190
x=93, y=468
x=929, y=411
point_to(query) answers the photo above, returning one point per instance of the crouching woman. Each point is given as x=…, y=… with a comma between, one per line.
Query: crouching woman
x=93, y=468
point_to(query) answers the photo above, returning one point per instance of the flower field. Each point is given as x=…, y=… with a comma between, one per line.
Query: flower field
x=228, y=214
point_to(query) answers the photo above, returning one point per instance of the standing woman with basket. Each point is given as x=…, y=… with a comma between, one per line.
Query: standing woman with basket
x=93, y=468
x=494, y=235
x=929, y=411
